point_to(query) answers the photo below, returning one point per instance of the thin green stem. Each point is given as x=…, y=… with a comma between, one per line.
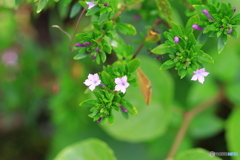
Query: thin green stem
x=158, y=21
x=76, y=27
x=188, y=116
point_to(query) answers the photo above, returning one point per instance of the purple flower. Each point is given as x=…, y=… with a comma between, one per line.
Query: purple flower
x=176, y=39
x=199, y=75
x=92, y=81
x=207, y=14
x=90, y=4
x=234, y=8
x=80, y=45
x=229, y=31
x=105, y=4
x=195, y=26
x=87, y=43
x=122, y=84
x=123, y=109
x=99, y=120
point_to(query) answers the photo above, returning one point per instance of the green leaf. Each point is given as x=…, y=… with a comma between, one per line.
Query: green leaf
x=75, y=10
x=205, y=125
x=131, y=109
x=182, y=73
x=168, y=64
x=161, y=49
x=164, y=9
x=221, y=44
x=41, y=5
x=107, y=80
x=127, y=29
x=232, y=92
x=233, y=132
x=133, y=65
x=80, y=56
x=204, y=57
x=200, y=90
x=88, y=103
x=196, y=154
x=103, y=56
x=144, y=126
x=90, y=149
x=193, y=20
x=93, y=10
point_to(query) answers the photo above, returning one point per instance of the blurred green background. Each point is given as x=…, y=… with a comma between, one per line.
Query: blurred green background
x=42, y=86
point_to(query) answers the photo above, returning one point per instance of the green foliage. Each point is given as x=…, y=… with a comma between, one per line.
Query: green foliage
x=164, y=9
x=84, y=151
x=218, y=22
x=232, y=131
x=198, y=154
x=41, y=5
x=185, y=54
x=143, y=126
x=107, y=98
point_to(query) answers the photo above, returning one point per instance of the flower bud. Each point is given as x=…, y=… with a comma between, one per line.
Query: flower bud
x=94, y=57
x=97, y=49
x=87, y=43
x=176, y=39
x=207, y=14
x=234, y=9
x=106, y=4
x=195, y=26
x=80, y=45
x=230, y=31
x=99, y=120
x=123, y=109
x=101, y=85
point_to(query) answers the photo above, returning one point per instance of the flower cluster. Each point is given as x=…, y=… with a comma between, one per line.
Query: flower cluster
x=217, y=20
x=184, y=53
x=93, y=81
x=109, y=88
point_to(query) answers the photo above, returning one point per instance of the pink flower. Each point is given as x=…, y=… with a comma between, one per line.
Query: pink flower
x=92, y=81
x=199, y=75
x=90, y=4
x=122, y=84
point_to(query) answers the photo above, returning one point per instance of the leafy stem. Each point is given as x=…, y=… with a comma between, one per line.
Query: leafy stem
x=188, y=116
x=157, y=22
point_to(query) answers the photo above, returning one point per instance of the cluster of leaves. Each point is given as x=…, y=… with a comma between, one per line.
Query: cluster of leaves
x=216, y=20
x=107, y=98
x=219, y=21
x=185, y=55
x=105, y=23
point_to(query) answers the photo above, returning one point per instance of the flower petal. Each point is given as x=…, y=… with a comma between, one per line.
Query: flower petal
x=118, y=80
x=123, y=89
x=194, y=77
x=118, y=88
x=87, y=82
x=95, y=76
x=204, y=74
x=90, y=77
x=201, y=79
x=124, y=78
x=92, y=87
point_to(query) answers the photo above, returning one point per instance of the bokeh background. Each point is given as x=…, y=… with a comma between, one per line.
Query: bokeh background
x=41, y=87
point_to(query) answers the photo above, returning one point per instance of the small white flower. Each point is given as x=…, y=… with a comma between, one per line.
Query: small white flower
x=122, y=84
x=199, y=75
x=92, y=81
x=90, y=4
